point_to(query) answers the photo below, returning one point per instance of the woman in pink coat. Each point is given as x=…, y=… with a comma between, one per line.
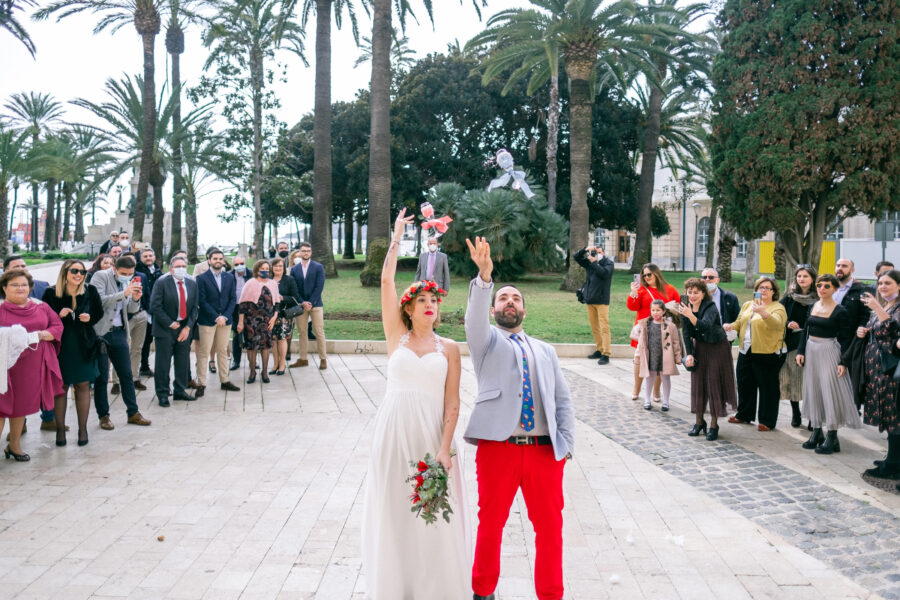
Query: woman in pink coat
x=34, y=379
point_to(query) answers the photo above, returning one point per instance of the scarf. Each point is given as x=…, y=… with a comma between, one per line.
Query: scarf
x=253, y=288
x=804, y=299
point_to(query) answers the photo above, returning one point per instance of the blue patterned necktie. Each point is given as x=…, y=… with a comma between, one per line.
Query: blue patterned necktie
x=527, y=419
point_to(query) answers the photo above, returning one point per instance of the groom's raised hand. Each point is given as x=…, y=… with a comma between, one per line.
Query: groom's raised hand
x=481, y=256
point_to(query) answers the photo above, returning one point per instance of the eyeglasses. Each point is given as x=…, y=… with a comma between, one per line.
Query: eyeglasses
x=763, y=287
x=77, y=271
x=708, y=277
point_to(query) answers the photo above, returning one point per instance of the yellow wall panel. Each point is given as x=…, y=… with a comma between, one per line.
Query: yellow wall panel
x=766, y=253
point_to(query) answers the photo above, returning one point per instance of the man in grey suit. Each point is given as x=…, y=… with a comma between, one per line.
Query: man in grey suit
x=120, y=293
x=433, y=266
x=174, y=306
x=523, y=424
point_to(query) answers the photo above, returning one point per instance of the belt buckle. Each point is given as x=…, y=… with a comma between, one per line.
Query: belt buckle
x=522, y=440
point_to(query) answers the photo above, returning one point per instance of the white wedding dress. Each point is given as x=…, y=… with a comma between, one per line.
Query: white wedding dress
x=403, y=557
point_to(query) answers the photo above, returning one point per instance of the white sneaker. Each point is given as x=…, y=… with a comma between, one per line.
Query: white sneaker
x=647, y=405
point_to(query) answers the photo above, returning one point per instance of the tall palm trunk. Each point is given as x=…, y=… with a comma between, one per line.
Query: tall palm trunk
x=552, y=141
x=322, y=182
x=190, y=222
x=49, y=223
x=146, y=21
x=711, y=235
x=580, y=160
x=379, y=144
x=35, y=215
x=4, y=217
x=648, y=173
x=348, y=232
x=360, y=217
x=175, y=46
x=68, y=190
x=55, y=237
x=256, y=77
x=157, y=179
x=79, y=220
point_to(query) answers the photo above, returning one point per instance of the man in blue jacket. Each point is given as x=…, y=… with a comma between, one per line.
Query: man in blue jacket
x=216, y=289
x=310, y=278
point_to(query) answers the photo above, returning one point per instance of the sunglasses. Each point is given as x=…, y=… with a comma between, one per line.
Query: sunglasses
x=76, y=271
x=648, y=274
x=804, y=266
x=820, y=286
x=708, y=277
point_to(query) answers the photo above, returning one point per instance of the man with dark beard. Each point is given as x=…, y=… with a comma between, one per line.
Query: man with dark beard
x=849, y=295
x=523, y=424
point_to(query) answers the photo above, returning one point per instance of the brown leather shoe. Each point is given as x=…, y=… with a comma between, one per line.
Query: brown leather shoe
x=139, y=386
x=230, y=387
x=323, y=364
x=299, y=363
x=193, y=385
x=48, y=426
x=137, y=419
x=201, y=389
x=115, y=389
x=106, y=423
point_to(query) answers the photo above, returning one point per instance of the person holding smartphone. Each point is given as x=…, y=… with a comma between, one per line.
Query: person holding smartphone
x=760, y=326
x=599, y=270
x=648, y=285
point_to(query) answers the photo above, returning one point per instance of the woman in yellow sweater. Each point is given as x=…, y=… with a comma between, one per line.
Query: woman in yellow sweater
x=760, y=327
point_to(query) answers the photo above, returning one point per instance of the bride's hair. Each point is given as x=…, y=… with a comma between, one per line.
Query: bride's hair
x=410, y=295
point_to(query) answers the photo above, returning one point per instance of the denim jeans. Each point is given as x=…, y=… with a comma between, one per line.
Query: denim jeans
x=119, y=355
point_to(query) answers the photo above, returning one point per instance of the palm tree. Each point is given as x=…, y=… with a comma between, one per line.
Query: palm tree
x=10, y=22
x=592, y=40
x=402, y=55
x=145, y=16
x=252, y=30
x=521, y=42
x=322, y=172
x=687, y=58
x=36, y=112
x=202, y=157
x=13, y=163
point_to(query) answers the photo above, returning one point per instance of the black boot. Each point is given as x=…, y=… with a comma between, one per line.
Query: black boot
x=831, y=443
x=815, y=439
x=796, y=419
x=697, y=428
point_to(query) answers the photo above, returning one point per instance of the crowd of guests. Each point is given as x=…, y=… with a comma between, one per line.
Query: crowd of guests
x=95, y=326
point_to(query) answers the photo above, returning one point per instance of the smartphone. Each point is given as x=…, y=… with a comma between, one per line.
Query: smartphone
x=637, y=277
x=757, y=295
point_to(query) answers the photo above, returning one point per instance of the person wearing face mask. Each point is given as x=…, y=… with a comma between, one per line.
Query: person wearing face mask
x=726, y=303
x=120, y=294
x=240, y=278
x=257, y=316
x=217, y=302
x=433, y=266
x=138, y=325
x=174, y=306
x=125, y=242
x=283, y=250
x=146, y=265
x=599, y=271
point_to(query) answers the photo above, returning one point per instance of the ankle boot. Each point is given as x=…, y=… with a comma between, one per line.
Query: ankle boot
x=796, y=419
x=831, y=443
x=815, y=439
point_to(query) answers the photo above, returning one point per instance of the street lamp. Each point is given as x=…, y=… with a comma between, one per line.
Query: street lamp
x=696, y=206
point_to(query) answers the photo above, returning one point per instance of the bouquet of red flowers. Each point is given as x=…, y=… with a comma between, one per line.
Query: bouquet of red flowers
x=429, y=497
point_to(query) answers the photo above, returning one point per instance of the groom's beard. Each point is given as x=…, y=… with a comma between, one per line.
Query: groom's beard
x=508, y=319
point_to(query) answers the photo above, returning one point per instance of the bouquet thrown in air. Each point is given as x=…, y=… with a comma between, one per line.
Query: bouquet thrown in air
x=429, y=497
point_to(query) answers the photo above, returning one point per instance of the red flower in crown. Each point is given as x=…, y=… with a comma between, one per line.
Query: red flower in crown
x=422, y=286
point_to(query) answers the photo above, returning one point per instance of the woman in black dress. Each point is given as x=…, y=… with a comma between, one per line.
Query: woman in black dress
x=708, y=353
x=79, y=308
x=257, y=315
x=882, y=407
x=797, y=302
x=284, y=327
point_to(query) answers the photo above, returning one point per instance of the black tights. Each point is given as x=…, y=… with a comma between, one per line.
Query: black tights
x=82, y=408
x=893, y=453
x=251, y=357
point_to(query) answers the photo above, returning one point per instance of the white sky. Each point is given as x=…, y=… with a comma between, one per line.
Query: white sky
x=72, y=63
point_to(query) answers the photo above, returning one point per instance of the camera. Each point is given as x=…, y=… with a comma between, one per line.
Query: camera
x=593, y=253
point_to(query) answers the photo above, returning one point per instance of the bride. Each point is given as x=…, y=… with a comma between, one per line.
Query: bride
x=403, y=557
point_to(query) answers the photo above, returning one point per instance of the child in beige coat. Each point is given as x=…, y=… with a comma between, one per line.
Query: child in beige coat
x=659, y=350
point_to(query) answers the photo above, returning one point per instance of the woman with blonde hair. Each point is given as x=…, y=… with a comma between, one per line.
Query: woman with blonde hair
x=79, y=308
x=417, y=416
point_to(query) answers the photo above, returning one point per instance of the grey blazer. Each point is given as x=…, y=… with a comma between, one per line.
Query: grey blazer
x=441, y=269
x=110, y=295
x=498, y=370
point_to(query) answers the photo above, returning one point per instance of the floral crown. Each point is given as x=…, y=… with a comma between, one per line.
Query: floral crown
x=422, y=286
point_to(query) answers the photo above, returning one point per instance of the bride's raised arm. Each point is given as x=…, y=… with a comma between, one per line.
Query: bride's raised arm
x=390, y=304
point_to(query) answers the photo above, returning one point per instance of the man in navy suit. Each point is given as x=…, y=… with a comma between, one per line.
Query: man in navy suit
x=310, y=278
x=174, y=305
x=216, y=288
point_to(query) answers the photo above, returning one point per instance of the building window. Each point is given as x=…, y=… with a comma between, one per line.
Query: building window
x=702, y=236
x=837, y=234
x=600, y=238
x=895, y=217
x=741, y=248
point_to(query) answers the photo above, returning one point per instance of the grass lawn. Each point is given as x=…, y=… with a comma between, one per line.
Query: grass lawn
x=353, y=312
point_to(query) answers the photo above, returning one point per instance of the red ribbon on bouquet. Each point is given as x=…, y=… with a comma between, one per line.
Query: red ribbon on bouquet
x=440, y=225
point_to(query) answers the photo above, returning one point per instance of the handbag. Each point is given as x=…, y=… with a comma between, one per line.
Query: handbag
x=293, y=311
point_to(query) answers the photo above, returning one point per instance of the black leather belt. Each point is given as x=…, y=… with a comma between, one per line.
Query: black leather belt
x=530, y=440
x=117, y=328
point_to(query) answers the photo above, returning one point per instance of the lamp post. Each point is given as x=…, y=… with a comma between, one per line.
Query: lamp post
x=696, y=207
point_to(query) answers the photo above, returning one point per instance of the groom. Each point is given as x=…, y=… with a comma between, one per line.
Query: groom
x=523, y=425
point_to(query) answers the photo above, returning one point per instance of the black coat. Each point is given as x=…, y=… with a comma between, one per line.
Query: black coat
x=799, y=314
x=859, y=312
x=599, y=277
x=708, y=328
x=88, y=302
x=290, y=296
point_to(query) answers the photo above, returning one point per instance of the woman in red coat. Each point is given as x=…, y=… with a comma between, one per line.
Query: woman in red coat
x=652, y=286
x=34, y=379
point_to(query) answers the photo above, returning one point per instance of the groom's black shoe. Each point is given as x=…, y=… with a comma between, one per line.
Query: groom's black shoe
x=488, y=597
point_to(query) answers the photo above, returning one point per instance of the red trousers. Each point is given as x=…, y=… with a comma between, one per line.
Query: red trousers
x=502, y=469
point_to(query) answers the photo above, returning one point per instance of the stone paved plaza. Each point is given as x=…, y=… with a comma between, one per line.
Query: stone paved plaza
x=258, y=494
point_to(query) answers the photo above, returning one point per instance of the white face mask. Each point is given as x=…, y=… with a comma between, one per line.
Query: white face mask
x=124, y=243
x=179, y=273
x=296, y=260
x=432, y=248
x=711, y=287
